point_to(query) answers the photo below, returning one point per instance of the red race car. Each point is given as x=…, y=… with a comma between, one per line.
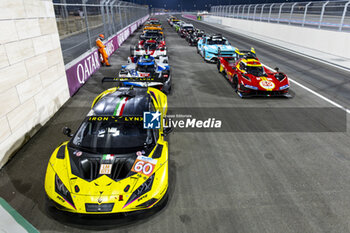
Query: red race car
x=250, y=78
x=151, y=47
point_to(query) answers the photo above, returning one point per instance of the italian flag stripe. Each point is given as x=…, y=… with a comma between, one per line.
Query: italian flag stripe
x=120, y=106
x=108, y=156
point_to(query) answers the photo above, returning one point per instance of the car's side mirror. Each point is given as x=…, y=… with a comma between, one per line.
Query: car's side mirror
x=277, y=69
x=67, y=131
x=167, y=130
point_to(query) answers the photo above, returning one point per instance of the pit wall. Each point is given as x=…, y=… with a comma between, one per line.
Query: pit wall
x=33, y=84
x=330, y=42
x=194, y=17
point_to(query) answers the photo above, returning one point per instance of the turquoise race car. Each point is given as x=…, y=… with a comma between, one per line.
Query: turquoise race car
x=211, y=47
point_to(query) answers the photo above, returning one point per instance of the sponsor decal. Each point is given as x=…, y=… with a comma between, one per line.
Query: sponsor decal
x=86, y=68
x=116, y=118
x=133, y=27
x=151, y=120
x=108, y=157
x=105, y=169
x=144, y=165
x=60, y=198
x=139, y=153
x=119, y=198
x=141, y=198
x=144, y=74
x=268, y=85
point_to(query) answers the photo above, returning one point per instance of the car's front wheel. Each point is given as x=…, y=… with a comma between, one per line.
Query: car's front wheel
x=235, y=82
x=218, y=65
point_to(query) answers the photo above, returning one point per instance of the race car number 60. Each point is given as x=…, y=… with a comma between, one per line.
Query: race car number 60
x=142, y=167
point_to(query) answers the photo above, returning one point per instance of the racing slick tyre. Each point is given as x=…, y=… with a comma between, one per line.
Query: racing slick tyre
x=131, y=51
x=218, y=64
x=235, y=83
x=197, y=49
x=204, y=56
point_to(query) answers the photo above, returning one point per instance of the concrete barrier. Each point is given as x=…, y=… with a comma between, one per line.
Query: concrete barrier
x=80, y=70
x=189, y=16
x=32, y=73
x=329, y=42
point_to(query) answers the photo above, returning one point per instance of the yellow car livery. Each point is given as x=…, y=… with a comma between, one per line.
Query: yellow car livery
x=113, y=163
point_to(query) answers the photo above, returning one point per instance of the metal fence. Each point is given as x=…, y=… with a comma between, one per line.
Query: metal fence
x=330, y=15
x=79, y=24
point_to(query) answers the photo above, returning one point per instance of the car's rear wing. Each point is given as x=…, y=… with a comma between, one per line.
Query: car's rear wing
x=225, y=53
x=134, y=81
x=245, y=53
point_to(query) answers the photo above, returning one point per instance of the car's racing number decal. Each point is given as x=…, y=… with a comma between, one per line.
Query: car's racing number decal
x=268, y=85
x=105, y=169
x=144, y=165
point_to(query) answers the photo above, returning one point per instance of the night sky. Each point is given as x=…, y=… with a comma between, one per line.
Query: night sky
x=187, y=4
x=200, y=4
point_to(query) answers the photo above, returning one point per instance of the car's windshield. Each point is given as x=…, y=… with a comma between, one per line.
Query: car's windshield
x=217, y=41
x=188, y=28
x=145, y=68
x=155, y=34
x=256, y=70
x=112, y=137
x=231, y=61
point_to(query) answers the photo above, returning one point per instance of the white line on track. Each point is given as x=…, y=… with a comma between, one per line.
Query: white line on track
x=295, y=82
x=313, y=92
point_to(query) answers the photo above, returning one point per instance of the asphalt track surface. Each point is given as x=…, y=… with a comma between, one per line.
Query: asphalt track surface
x=74, y=46
x=218, y=182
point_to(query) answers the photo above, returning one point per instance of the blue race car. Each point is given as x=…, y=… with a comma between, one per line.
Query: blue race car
x=155, y=71
x=211, y=47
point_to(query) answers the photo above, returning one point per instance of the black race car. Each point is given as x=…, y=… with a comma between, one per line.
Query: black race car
x=185, y=29
x=192, y=38
x=152, y=34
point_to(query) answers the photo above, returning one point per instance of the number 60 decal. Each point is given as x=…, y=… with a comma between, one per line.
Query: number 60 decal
x=144, y=165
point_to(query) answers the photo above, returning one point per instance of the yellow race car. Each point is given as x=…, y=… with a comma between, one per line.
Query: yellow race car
x=152, y=28
x=152, y=22
x=116, y=161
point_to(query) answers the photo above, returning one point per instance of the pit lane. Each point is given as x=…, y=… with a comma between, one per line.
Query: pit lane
x=218, y=182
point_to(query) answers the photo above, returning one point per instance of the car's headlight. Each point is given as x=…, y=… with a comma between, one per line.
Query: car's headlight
x=251, y=87
x=148, y=203
x=63, y=191
x=144, y=188
x=284, y=87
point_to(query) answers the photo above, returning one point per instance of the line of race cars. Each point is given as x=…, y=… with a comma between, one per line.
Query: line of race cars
x=114, y=163
x=242, y=68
